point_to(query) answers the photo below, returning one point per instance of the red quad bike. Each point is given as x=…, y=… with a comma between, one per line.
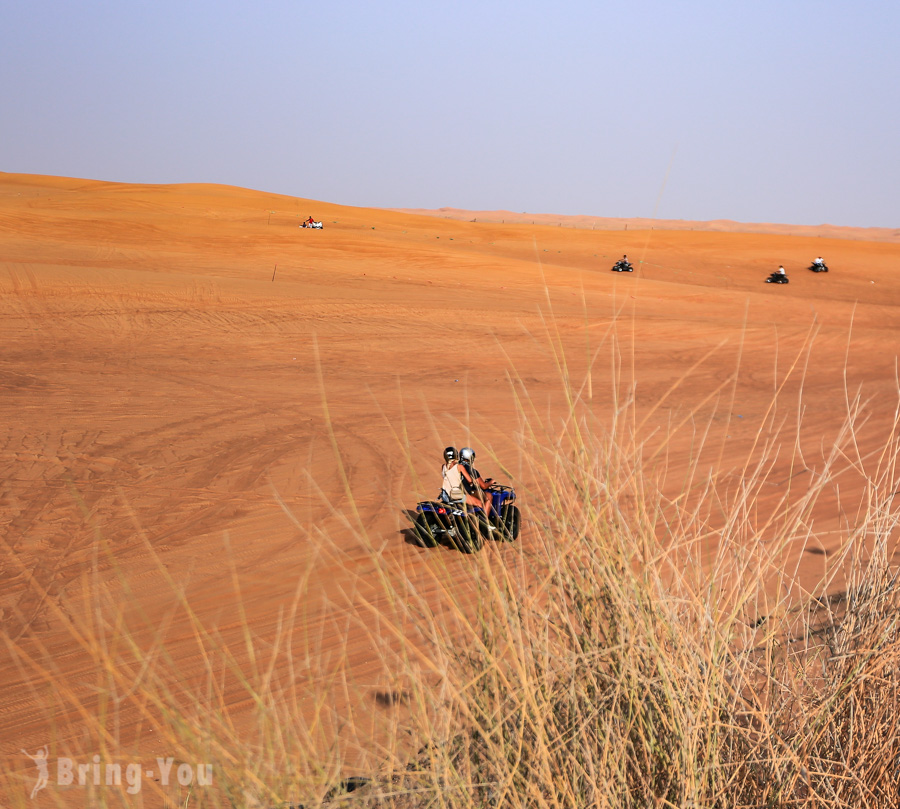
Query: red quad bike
x=464, y=527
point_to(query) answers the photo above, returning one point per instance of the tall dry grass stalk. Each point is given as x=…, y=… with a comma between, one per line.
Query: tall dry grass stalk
x=636, y=648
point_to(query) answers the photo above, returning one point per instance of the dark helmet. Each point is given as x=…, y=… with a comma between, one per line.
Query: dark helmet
x=467, y=454
x=450, y=454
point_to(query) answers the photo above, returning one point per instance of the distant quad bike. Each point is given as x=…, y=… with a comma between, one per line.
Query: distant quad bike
x=622, y=266
x=818, y=267
x=313, y=225
x=464, y=527
x=777, y=278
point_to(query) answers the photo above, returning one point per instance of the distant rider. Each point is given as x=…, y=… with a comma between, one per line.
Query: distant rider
x=310, y=222
x=476, y=487
x=780, y=270
x=819, y=262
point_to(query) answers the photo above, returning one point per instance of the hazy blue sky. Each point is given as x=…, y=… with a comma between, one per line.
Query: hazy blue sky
x=785, y=111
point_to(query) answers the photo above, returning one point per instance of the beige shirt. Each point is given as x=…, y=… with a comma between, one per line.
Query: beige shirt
x=452, y=476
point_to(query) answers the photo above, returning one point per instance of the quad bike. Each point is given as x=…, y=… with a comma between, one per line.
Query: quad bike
x=314, y=225
x=777, y=278
x=463, y=526
x=622, y=266
x=818, y=267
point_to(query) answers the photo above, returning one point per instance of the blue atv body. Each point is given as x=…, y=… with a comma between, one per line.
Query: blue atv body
x=464, y=526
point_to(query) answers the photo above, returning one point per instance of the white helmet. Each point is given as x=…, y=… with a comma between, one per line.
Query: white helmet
x=467, y=454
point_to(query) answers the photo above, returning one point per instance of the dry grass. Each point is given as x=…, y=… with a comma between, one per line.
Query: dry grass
x=636, y=653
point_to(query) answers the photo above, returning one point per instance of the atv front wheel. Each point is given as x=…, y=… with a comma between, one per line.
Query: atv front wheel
x=510, y=521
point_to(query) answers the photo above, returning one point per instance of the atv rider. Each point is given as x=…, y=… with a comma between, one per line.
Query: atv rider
x=819, y=262
x=780, y=270
x=310, y=222
x=475, y=486
x=451, y=476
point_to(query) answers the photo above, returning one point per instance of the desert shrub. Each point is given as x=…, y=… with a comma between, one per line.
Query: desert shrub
x=635, y=649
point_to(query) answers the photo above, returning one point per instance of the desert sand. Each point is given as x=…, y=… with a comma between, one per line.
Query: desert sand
x=193, y=387
x=643, y=223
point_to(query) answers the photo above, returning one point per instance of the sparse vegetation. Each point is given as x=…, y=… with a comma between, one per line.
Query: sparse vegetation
x=633, y=650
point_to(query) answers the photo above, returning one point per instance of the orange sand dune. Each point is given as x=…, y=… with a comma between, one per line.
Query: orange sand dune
x=638, y=223
x=192, y=387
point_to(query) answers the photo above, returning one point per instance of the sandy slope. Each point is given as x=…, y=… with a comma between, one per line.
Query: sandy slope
x=637, y=223
x=170, y=409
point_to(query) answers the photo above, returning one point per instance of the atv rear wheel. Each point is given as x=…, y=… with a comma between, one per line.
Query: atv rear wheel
x=467, y=537
x=424, y=529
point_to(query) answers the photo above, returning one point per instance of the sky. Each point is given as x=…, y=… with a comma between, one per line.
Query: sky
x=753, y=110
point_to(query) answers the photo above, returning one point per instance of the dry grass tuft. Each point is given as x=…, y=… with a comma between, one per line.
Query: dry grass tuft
x=634, y=654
